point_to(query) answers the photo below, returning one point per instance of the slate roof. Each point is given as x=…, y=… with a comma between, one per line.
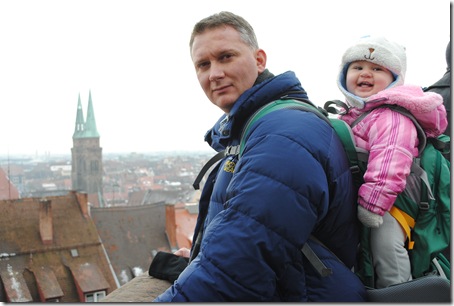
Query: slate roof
x=131, y=236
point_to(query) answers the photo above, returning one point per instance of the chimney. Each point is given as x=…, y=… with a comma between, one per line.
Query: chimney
x=82, y=200
x=171, y=226
x=45, y=221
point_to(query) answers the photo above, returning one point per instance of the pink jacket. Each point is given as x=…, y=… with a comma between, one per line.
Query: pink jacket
x=392, y=141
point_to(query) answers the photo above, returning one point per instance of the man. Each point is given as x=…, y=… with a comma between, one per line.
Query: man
x=292, y=181
x=443, y=87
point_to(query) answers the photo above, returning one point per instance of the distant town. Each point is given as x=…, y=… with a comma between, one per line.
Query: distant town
x=108, y=179
x=124, y=175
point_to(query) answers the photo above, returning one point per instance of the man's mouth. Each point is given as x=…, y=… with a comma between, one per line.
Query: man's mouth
x=220, y=88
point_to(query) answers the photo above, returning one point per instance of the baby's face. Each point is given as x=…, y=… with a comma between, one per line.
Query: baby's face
x=365, y=78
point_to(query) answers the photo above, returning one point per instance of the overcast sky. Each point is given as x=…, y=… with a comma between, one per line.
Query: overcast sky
x=134, y=58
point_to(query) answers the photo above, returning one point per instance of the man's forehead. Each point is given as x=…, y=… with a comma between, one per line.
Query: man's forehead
x=217, y=39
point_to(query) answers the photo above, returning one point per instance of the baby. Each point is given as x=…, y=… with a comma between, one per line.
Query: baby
x=372, y=74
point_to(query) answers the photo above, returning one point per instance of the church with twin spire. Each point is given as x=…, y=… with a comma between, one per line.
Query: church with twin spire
x=86, y=154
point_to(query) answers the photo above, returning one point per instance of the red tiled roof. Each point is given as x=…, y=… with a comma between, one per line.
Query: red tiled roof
x=47, y=283
x=15, y=286
x=185, y=224
x=89, y=277
x=75, y=241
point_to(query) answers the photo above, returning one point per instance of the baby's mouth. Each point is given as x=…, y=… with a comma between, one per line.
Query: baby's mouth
x=365, y=84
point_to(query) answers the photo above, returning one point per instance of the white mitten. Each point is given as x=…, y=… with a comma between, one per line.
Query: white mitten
x=369, y=219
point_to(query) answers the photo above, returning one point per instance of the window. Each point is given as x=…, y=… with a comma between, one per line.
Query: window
x=94, y=166
x=74, y=253
x=94, y=296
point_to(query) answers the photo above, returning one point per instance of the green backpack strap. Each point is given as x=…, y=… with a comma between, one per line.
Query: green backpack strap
x=284, y=102
x=356, y=156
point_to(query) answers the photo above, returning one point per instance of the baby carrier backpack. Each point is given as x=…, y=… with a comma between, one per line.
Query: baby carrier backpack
x=422, y=209
x=428, y=218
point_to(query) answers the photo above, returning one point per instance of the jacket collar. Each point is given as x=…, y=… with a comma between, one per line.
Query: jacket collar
x=267, y=88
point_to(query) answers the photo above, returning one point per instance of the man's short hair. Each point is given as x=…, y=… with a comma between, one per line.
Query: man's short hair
x=224, y=18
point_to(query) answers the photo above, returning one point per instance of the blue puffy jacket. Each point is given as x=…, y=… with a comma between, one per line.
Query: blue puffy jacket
x=292, y=181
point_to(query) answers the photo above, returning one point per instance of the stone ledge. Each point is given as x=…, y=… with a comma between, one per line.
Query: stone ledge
x=143, y=288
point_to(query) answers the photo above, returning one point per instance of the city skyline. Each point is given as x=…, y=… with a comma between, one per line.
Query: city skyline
x=134, y=59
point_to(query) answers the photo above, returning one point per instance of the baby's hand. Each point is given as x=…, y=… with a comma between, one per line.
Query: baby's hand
x=369, y=219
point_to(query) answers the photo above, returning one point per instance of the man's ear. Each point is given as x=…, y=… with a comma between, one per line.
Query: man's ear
x=261, y=60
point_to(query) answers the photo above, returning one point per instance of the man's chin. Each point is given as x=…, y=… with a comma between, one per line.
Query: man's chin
x=225, y=104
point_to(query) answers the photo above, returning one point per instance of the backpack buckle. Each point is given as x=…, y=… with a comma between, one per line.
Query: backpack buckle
x=424, y=206
x=355, y=169
x=232, y=150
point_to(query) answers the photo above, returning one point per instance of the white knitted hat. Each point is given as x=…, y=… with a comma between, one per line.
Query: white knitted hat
x=377, y=50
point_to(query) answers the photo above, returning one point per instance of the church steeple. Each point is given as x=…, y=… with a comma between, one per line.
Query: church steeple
x=80, y=124
x=86, y=153
x=85, y=128
x=90, y=123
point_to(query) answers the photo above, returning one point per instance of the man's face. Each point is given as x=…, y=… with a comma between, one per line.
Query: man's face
x=225, y=65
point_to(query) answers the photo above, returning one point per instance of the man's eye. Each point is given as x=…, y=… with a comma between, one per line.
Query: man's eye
x=226, y=56
x=202, y=65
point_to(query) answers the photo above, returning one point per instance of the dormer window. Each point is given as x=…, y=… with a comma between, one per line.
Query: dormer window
x=94, y=296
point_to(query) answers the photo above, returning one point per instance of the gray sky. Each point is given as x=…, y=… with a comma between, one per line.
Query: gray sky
x=134, y=57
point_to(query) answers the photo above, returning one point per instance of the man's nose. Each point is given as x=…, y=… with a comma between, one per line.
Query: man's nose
x=216, y=73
